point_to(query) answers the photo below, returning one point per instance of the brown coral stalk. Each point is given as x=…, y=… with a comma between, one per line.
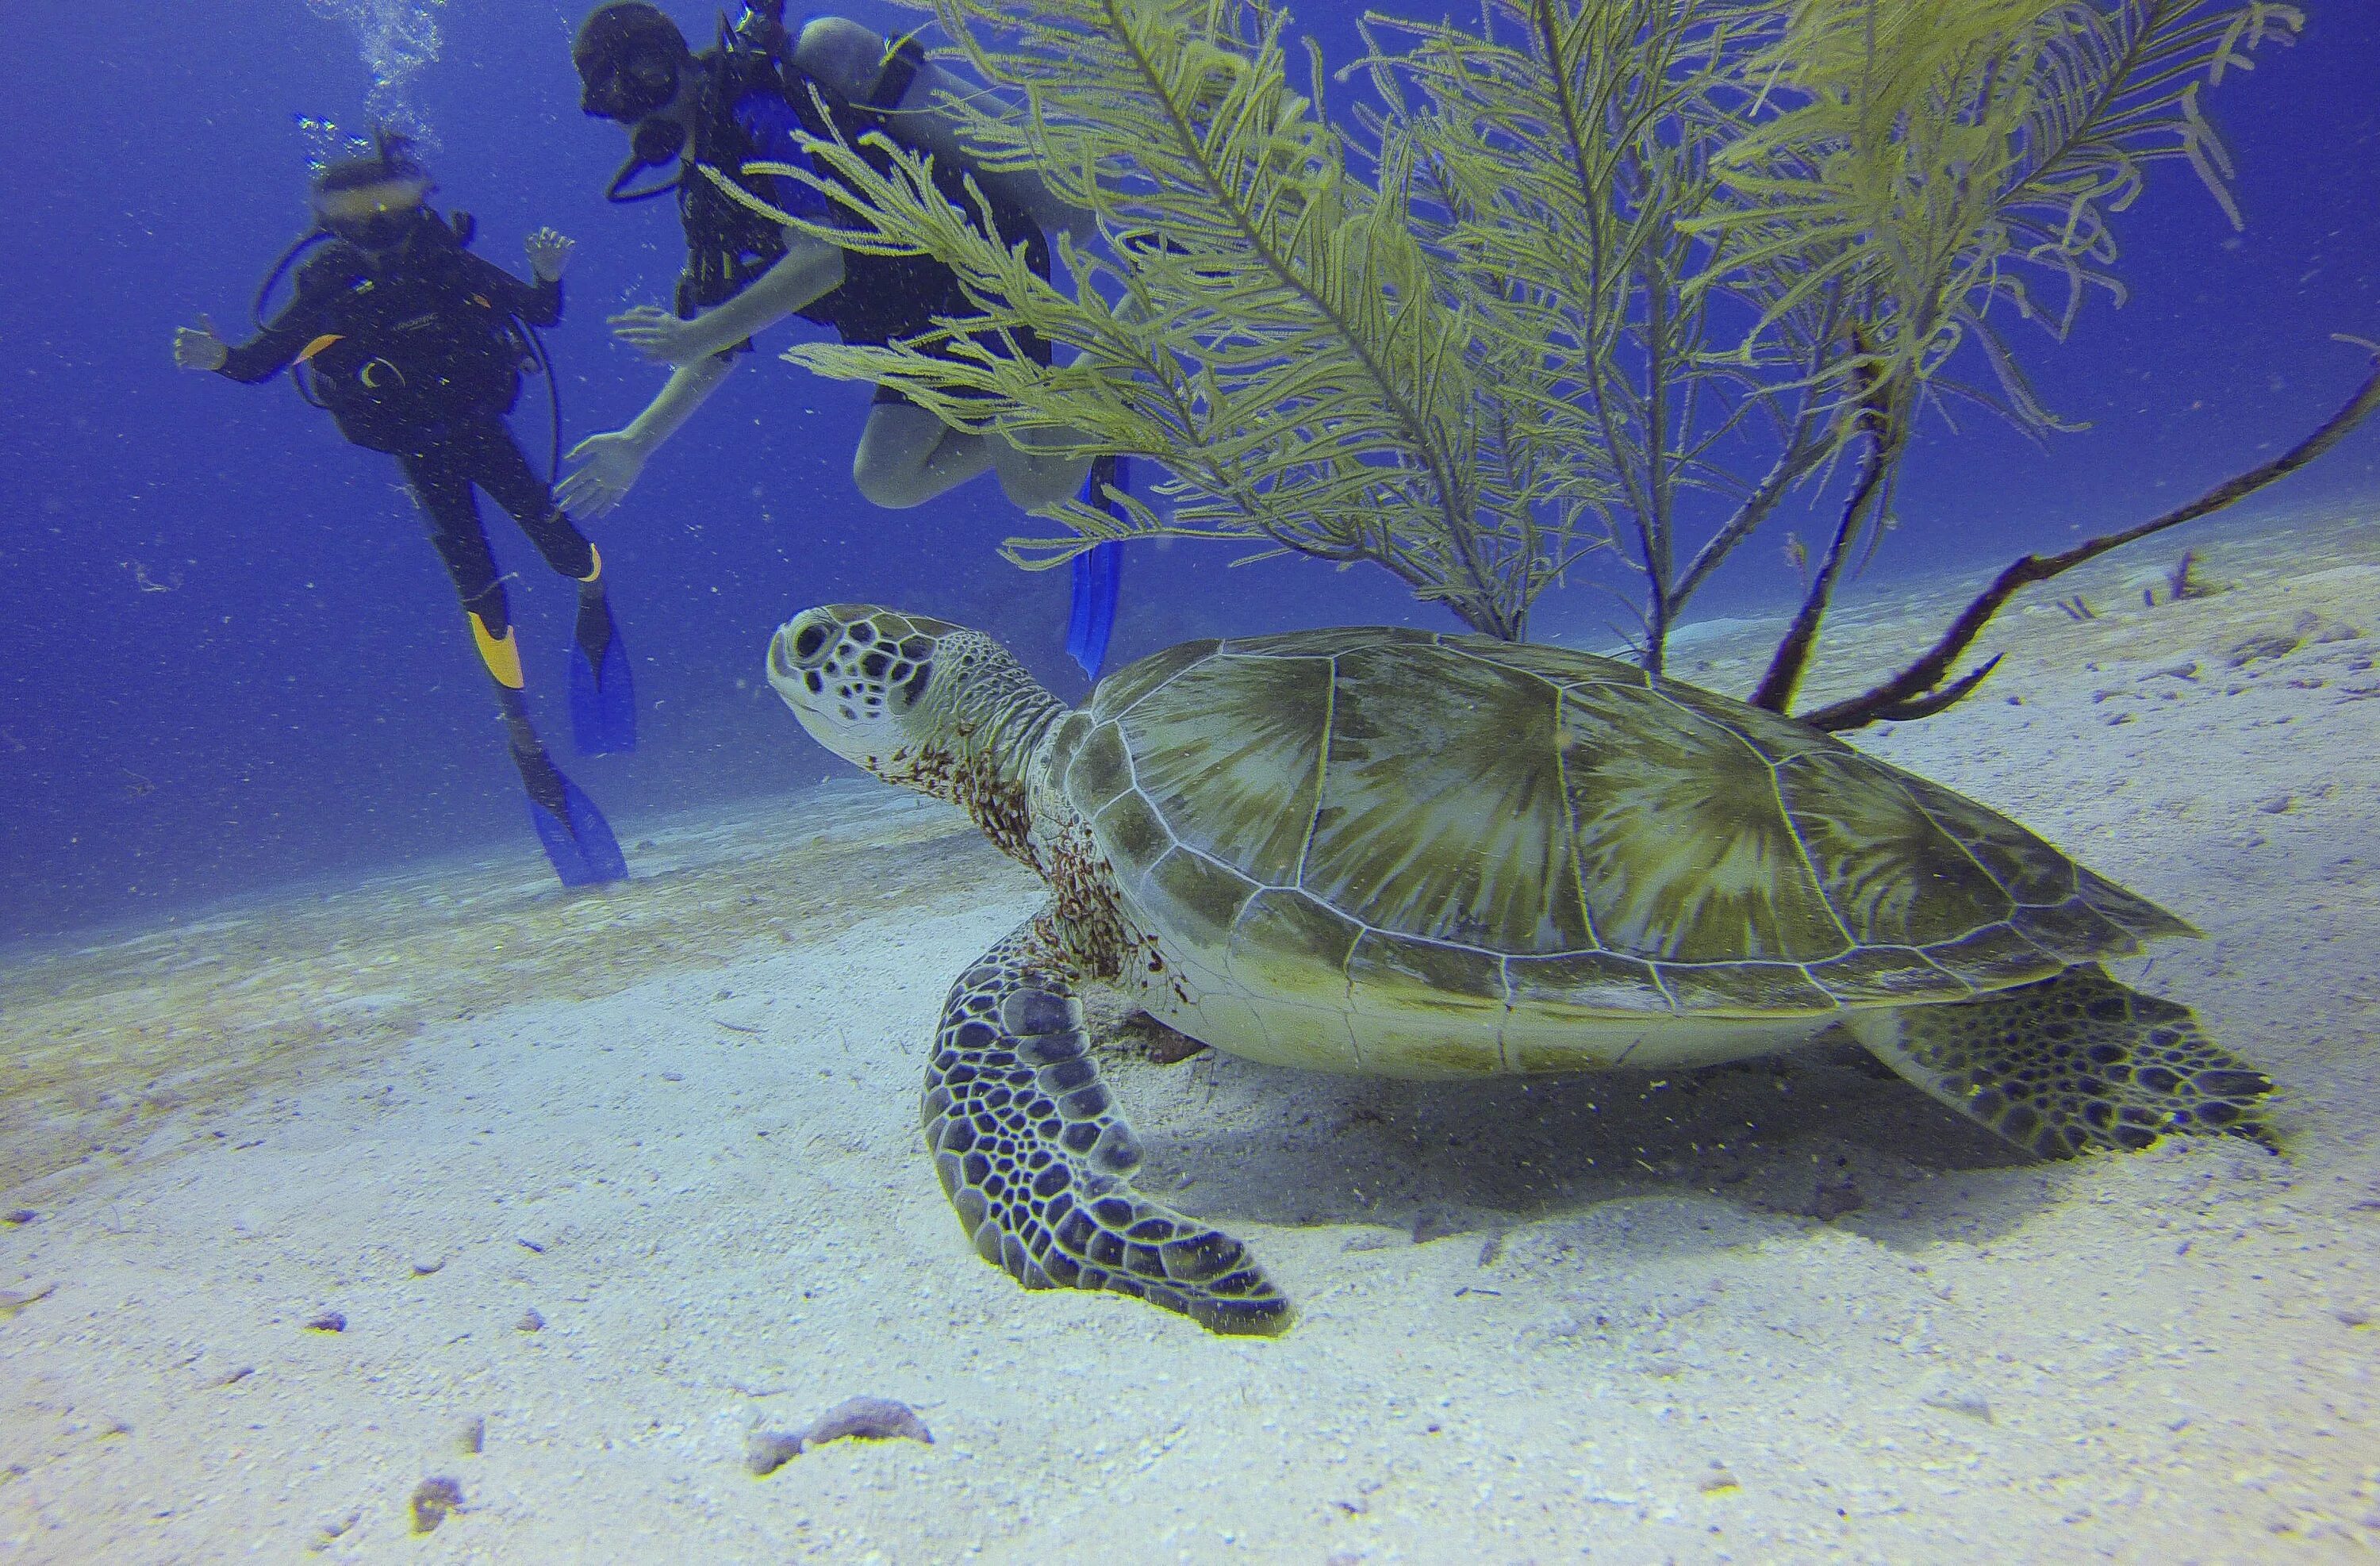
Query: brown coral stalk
x=1904, y=695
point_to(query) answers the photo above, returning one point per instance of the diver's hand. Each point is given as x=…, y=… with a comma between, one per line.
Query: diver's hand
x=659, y=335
x=613, y=462
x=198, y=347
x=549, y=252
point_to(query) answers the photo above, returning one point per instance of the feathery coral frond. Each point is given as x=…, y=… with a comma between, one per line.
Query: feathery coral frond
x=1591, y=265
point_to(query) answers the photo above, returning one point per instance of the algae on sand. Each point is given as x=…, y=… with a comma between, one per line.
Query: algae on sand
x=121, y=1049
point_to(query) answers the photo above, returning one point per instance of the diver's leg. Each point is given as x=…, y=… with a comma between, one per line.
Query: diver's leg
x=1039, y=1163
x=602, y=693
x=1032, y=476
x=441, y=487
x=1037, y=467
x=577, y=839
x=501, y=468
x=907, y=456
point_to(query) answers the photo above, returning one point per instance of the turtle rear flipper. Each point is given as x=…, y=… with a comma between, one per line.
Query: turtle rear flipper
x=2074, y=1061
x=1039, y=1164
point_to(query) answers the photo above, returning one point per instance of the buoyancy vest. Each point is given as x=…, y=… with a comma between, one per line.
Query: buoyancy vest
x=728, y=245
x=419, y=345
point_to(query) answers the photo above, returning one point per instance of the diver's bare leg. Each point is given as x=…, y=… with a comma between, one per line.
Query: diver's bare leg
x=907, y=456
x=1032, y=476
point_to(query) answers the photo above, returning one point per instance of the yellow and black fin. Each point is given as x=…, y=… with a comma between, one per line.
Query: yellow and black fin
x=500, y=654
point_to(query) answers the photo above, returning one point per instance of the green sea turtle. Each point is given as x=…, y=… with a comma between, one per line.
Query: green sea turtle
x=1385, y=851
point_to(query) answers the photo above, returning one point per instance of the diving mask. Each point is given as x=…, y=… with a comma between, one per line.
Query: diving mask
x=631, y=66
x=375, y=216
x=631, y=85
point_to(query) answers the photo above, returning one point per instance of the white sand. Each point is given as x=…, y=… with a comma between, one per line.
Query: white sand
x=1541, y=1321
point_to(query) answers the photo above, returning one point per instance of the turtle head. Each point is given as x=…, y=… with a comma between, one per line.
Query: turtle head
x=917, y=701
x=859, y=676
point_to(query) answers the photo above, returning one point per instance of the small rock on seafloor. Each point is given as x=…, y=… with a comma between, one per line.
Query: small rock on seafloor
x=433, y=1500
x=765, y=1451
x=1958, y=1400
x=873, y=1419
x=328, y=1321
x=474, y=1438
x=1718, y=1480
x=1833, y=1199
x=1435, y=1220
x=530, y=1321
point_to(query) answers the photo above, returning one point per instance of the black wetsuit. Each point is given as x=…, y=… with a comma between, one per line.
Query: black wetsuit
x=416, y=353
x=425, y=366
x=752, y=110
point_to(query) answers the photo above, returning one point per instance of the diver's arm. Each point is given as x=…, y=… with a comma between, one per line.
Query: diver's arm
x=541, y=302
x=611, y=461
x=534, y=304
x=688, y=387
x=808, y=270
x=537, y=303
x=278, y=346
x=851, y=59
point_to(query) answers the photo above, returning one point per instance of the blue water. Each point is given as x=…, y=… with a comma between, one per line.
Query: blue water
x=228, y=657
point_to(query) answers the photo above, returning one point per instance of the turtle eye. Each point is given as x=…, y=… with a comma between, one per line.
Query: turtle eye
x=806, y=645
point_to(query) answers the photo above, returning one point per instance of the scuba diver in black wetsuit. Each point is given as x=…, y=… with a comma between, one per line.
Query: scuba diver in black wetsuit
x=415, y=347
x=750, y=99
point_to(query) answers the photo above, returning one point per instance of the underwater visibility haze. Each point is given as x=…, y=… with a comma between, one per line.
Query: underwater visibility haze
x=1631, y=739
x=171, y=530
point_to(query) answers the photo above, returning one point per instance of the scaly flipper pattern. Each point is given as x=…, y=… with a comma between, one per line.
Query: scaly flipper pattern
x=2074, y=1062
x=1039, y=1164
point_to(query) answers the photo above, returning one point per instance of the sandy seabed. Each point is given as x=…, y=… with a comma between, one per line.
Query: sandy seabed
x=594, y=1187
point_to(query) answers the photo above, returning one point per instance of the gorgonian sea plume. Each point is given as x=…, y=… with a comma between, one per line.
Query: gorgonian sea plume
x=1581, y=275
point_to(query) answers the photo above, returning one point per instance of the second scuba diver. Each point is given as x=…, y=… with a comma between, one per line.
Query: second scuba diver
x=415, y=347
x=750, y=99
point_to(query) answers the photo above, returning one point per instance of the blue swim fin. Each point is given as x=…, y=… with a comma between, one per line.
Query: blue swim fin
x=1098, y=573
x=579, y=840
x=603, y=700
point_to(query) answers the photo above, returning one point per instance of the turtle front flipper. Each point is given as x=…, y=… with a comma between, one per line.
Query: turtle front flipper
x=2074, y=1061
x=1040, y=1165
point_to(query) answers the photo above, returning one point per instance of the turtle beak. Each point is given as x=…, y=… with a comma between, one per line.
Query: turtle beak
x=798, y=655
